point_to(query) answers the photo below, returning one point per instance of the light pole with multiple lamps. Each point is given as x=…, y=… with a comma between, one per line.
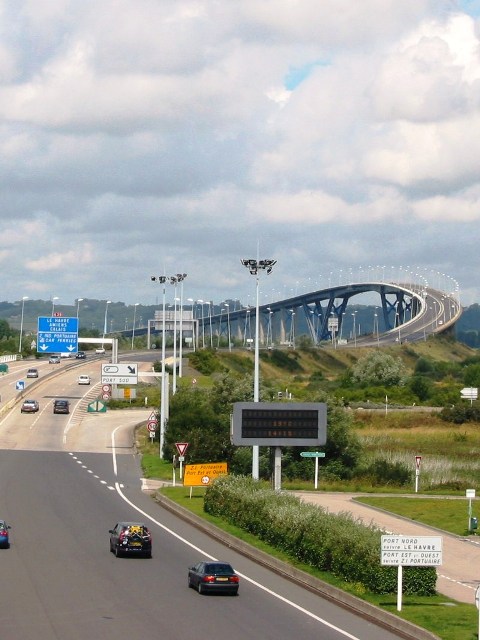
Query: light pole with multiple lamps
x=21, y=325
x=162, y=280
x=164, y=387
x=254, y=266
x=134, y=321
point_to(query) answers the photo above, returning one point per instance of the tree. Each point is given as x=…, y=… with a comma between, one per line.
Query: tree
x=472, y=375
x=377, y=368
x=421, y=387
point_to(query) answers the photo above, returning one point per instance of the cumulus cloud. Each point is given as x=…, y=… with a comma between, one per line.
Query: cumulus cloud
x=140, y=136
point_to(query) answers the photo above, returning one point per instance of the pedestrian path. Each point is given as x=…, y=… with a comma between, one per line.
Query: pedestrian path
x=459, y=575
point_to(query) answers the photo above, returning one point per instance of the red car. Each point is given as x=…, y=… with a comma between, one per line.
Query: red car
x=29, y=406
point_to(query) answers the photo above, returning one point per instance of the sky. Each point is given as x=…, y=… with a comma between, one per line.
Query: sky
x=156, y=137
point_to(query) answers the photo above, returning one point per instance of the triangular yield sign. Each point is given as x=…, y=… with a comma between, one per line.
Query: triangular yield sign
x=181, y=447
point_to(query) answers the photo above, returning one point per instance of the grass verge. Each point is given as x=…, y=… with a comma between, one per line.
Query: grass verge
x=446, y=618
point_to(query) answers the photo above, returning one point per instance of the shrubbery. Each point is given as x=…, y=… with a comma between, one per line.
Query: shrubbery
x=335, y=543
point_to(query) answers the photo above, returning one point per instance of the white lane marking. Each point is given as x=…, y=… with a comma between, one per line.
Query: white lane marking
x=207, y=555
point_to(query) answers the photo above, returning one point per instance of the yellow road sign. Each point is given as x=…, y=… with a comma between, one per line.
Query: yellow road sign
x=201, y=475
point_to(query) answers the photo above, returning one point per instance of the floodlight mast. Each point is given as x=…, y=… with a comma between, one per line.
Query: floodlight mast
x=163, y=280
x=254, y=266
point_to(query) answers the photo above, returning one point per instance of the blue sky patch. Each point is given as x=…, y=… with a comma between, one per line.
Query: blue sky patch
x=296, y=75
x=472, y=7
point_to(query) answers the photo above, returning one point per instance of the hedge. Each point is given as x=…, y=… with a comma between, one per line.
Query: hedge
x=337, y=543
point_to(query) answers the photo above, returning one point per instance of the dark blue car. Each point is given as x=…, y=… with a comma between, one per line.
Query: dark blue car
x=4, y=537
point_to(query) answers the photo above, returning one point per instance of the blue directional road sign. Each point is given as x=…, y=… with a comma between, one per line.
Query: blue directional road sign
x=57, y=334
x=20, y=385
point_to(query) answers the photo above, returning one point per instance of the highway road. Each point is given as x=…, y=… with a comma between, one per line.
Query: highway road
x=66, y=480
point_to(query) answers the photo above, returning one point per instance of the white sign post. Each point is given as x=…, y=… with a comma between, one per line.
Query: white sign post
x=469, y=393
x=410, y=551
x=470, y=494
x=181, y=448
x=316, y=455
x=418, y=460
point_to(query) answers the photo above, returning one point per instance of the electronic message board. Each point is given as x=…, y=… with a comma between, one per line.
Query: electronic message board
x=276, y=424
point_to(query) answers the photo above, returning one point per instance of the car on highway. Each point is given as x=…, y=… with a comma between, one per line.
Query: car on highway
x=83, y=379
x=61, y=406
x=54, y=359
x=29, y=406
x=130, y=538
x=100, y=350
x=32, y=373
x=4, y=535
x=217, y=577
x=81, y=355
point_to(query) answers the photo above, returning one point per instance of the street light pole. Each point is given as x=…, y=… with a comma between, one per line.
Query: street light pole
x=254, y=266
x=203, y=323
x=162, y=280
x=179, y=277
x=180, y=364
x=105, y=322
x=78, y=305
x=194, y=337
x=134, y=321
x=53, y=304
x=21, y=325
x=228, y=326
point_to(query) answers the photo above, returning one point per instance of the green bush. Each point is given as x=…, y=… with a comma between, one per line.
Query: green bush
x=335, y=543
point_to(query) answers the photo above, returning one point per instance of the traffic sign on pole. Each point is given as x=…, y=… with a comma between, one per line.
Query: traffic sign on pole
x=114, y=373
x=57, y=334
x=312, y=454
x=181, y=447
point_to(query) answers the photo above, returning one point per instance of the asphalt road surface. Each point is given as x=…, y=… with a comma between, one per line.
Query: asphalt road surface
x=66, y=480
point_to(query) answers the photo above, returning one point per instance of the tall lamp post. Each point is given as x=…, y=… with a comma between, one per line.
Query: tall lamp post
x=181, y=277
x=175, y=280
x=162, y=280
x=134, y=321
x=194, y=337
x=78, y=305
x=254, y=266
x=53, y=304
x=21, y=325
x=228, y=326
x=105, y=322
x=203, y=323
x=163, y=396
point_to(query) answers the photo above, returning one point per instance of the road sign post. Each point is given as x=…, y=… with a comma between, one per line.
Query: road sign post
x=418, y=460
x=469, y=393
x=316, y=455
x=181, y=448
x=115, y=373
x=57, y=335
x=410, y=551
